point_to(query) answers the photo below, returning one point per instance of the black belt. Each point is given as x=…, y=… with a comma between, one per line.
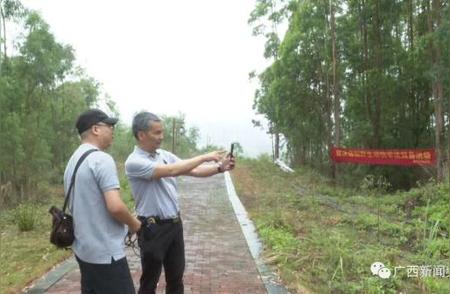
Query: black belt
x=157, y=220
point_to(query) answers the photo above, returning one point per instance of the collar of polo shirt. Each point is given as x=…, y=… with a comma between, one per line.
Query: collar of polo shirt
x=151, y=154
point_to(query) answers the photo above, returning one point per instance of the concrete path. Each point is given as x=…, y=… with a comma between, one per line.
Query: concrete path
x=218, y=259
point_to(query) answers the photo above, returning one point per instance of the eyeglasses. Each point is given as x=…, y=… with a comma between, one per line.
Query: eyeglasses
x=106, y=125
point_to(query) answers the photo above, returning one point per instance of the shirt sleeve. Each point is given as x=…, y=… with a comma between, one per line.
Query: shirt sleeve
x=105, y=172
x=172, y=157
x=139, y=168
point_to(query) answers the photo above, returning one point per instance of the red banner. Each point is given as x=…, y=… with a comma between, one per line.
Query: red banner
x=406, y=157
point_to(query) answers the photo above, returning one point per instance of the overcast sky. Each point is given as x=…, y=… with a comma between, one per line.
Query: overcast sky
x=169, y=57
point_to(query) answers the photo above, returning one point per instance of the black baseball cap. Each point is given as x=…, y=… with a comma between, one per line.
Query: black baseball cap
x=91, y=117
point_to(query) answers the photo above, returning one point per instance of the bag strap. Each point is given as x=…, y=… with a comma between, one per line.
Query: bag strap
x=72, y=181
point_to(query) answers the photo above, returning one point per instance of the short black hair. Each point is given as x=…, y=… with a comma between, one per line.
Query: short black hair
x=142, y=120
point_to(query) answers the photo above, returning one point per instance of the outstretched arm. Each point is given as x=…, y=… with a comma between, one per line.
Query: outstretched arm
x=212, y=169
x=183, y=167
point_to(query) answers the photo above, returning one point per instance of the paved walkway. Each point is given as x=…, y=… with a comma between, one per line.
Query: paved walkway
x=218, y=259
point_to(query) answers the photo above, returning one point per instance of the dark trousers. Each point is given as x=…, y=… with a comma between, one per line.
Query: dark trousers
x=114, y=278
x=162, y=245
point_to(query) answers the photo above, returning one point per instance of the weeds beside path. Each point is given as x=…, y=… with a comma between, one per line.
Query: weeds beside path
x=27, y=255
x=327, y=237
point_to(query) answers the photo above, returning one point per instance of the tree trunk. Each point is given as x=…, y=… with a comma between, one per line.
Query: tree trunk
x=434, y=20
x=415, y=100
x=411, y=24
x=273, y=150
x=448, y=134
x=379, y=73
x=173, y=136
x=335, y=89
x=277, y=145
x=364, y=74
x=325, y=81
x=3, y=23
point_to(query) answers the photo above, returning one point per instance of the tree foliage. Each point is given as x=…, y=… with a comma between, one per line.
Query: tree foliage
x=178, y=138
x=41, y=94
x=184, y=145
x=386, y=81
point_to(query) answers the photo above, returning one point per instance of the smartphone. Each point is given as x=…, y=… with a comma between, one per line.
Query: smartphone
x=231, y=150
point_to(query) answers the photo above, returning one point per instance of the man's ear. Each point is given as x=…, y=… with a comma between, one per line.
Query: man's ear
x=94, y=129
x=140, y=135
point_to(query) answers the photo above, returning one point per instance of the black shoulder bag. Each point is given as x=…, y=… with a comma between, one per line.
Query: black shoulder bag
x=62, y=234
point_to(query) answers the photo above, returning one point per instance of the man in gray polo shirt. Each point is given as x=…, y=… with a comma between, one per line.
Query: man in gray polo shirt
x=151, y=172
x=98, y=211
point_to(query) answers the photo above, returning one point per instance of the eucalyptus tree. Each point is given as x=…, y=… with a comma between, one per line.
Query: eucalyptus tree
x=40, y=96
x=265, y=18
x=378, y=65
x=299, y=92
x=435, y=45
x=10, y=10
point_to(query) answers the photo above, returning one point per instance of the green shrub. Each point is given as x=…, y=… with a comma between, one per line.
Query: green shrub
x=25, y=216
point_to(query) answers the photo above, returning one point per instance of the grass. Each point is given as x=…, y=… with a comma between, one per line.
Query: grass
x=27, y=255
x=324, y=237
x=320, y=237
x=25, y=249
